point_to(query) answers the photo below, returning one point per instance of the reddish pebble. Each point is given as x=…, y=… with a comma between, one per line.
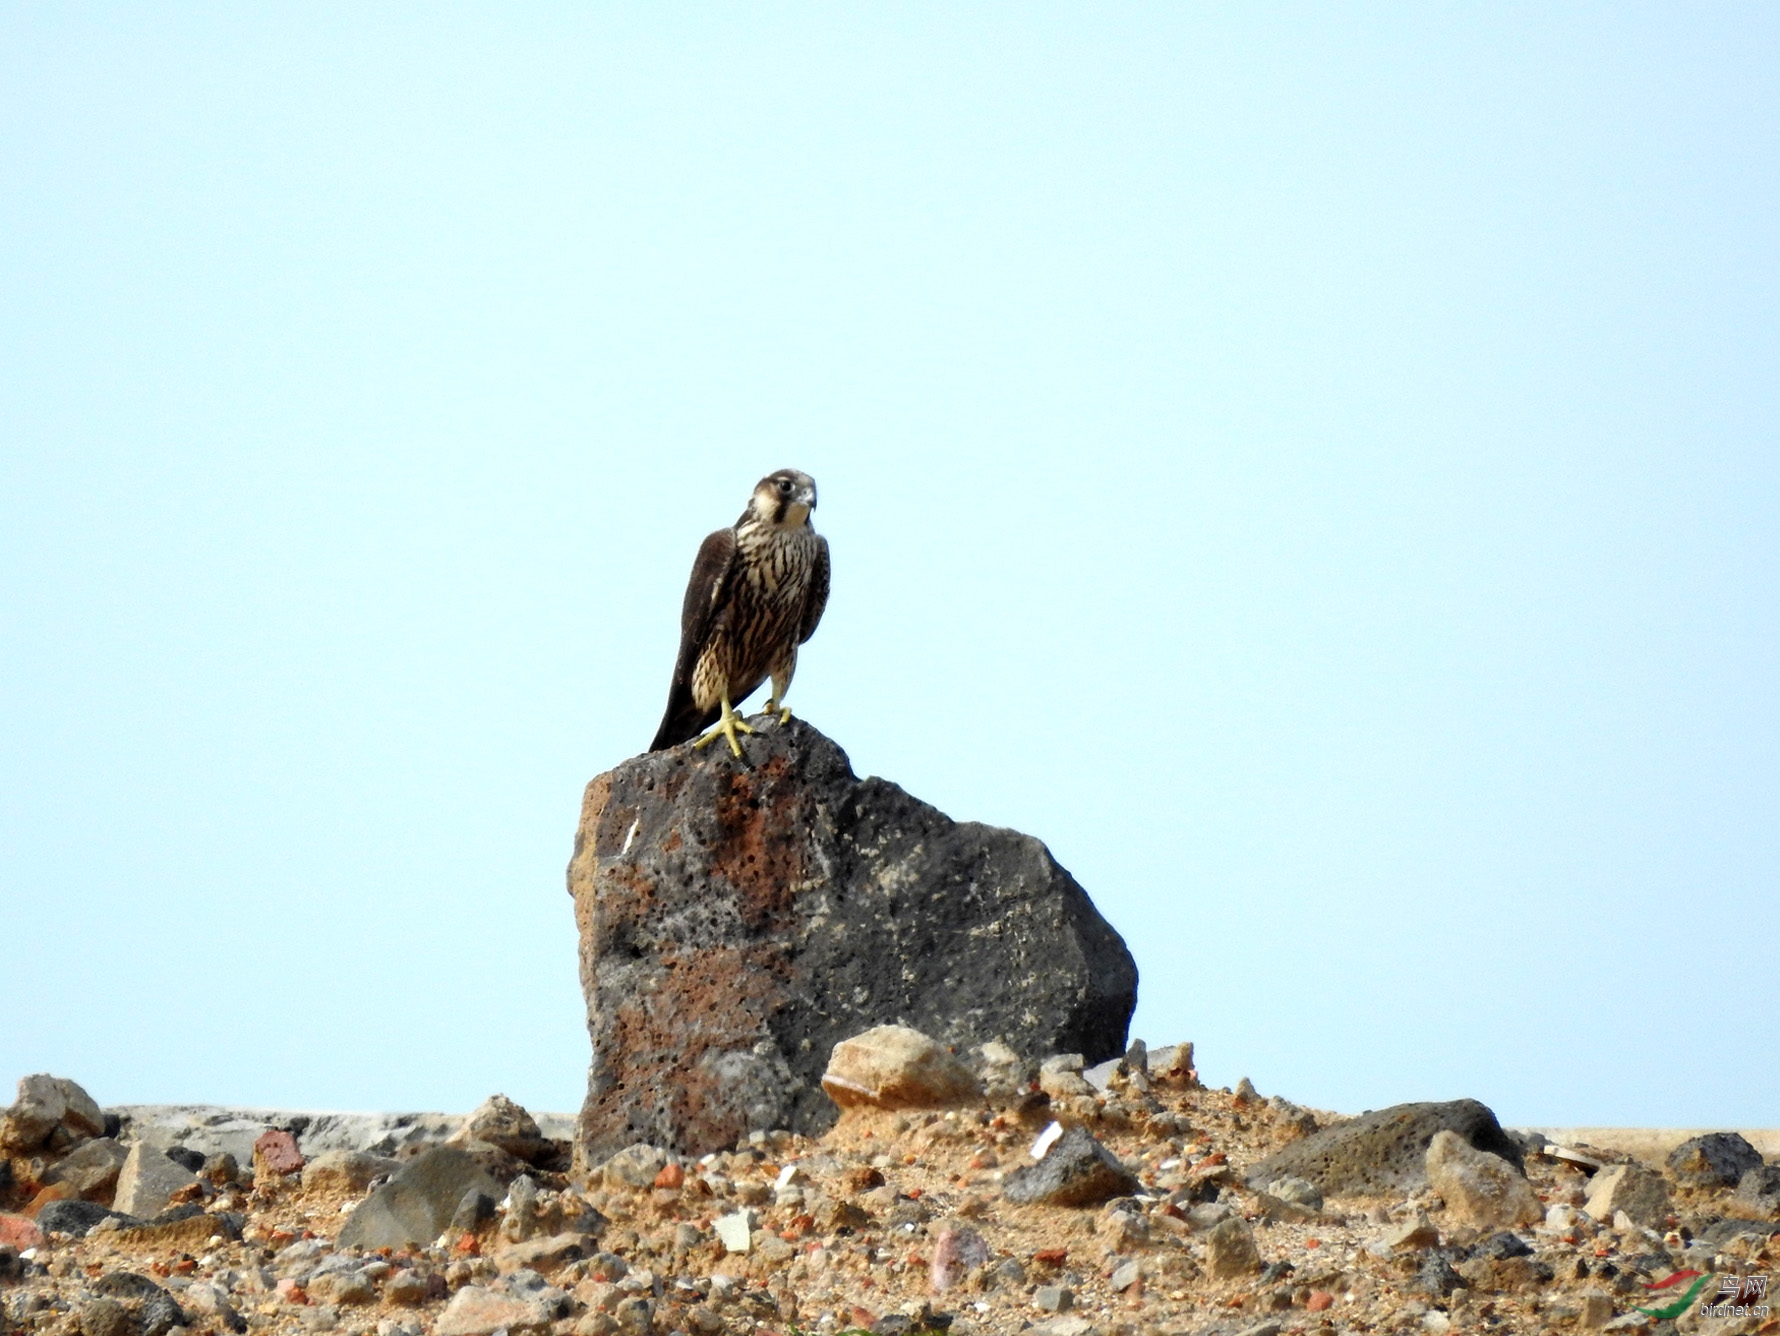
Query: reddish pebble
x=54, y=1192
x=275, y=1152
x=864, y=1316
x=1051, y=1256
x=1319, y=1300
x=185, y=1266
x=291, y=1292
x=1313, y=1243
x=468, y=1243
x=913, y=1194
x=18, y=1232
x=671, y=1176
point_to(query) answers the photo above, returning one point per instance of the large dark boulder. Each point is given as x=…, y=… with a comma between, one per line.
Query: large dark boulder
x=738, y=918
x=1385, y=1151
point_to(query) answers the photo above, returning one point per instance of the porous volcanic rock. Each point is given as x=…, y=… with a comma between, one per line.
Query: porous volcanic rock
x=1385, y=1151
x=739, y=917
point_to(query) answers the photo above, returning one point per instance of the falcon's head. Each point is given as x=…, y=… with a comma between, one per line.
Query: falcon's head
x=786, y=497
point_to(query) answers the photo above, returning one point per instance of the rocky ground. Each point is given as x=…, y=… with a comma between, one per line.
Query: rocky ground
x=1151, y=1205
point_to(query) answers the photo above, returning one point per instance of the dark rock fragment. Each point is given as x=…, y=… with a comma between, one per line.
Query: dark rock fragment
x=1384, y=1151
x=1436, y=1275
x=1759, y=1190
x=78, y=1217
x=1716, y=1160
x=1076, y=1171
x=185, y=1157
x=1505, y=1243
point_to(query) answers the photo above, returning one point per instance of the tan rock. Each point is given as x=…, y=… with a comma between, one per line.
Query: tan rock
x=1230, y=1250
x=45, y=1102
x=1597, y=1309
x=500, y=1122
x=1641, y=1193
x=546, y=1255
x=1414, y=1233
x=477, y=1311
x=346, y=1170
x=1479, y=1188
x=894, y=1067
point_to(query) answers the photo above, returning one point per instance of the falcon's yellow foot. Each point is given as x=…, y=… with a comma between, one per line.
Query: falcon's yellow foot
x=728, y=726
x=784, y=711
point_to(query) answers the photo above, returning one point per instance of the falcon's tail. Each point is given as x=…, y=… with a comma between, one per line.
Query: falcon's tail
x=683, y=721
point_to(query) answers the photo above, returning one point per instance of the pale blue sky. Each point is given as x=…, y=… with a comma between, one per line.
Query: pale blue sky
x=1316, y=467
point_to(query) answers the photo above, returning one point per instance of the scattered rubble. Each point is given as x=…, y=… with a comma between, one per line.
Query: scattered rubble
x=898, y=1222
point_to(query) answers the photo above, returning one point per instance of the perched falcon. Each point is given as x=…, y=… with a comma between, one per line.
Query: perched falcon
x=757, y=591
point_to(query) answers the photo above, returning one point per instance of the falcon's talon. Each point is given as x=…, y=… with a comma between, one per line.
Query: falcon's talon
x=772, y=706
x=727, y=727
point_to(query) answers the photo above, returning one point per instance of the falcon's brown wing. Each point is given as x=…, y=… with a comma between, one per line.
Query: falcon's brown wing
x=818, y=595
x=705, y=593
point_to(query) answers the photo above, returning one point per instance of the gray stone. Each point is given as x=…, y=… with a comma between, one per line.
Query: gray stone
x=1436, y=1275
x=522, y=1210
x=1641, y=1193
x=148, y=1181
x=636, y=1316
x=1230, y=1250
x=1716, y=1160
x=1076, y=1171
x=1479, y=1188
x=91, y=1168
x=1003, y=1073
x=1054, y=1298
x=1125, y=1276
x=208, y=1300
x=1100, y=1075
x=1759, y=1190
x=415, y=1206
x=1068, y=1324
x=406, y=1287
x=105, y=1317
x=1383, y=1152
x=740, y=918
x=154, y=1311
x=474, y=1210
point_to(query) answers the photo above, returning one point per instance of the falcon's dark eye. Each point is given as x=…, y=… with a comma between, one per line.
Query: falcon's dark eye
x=785, y=486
